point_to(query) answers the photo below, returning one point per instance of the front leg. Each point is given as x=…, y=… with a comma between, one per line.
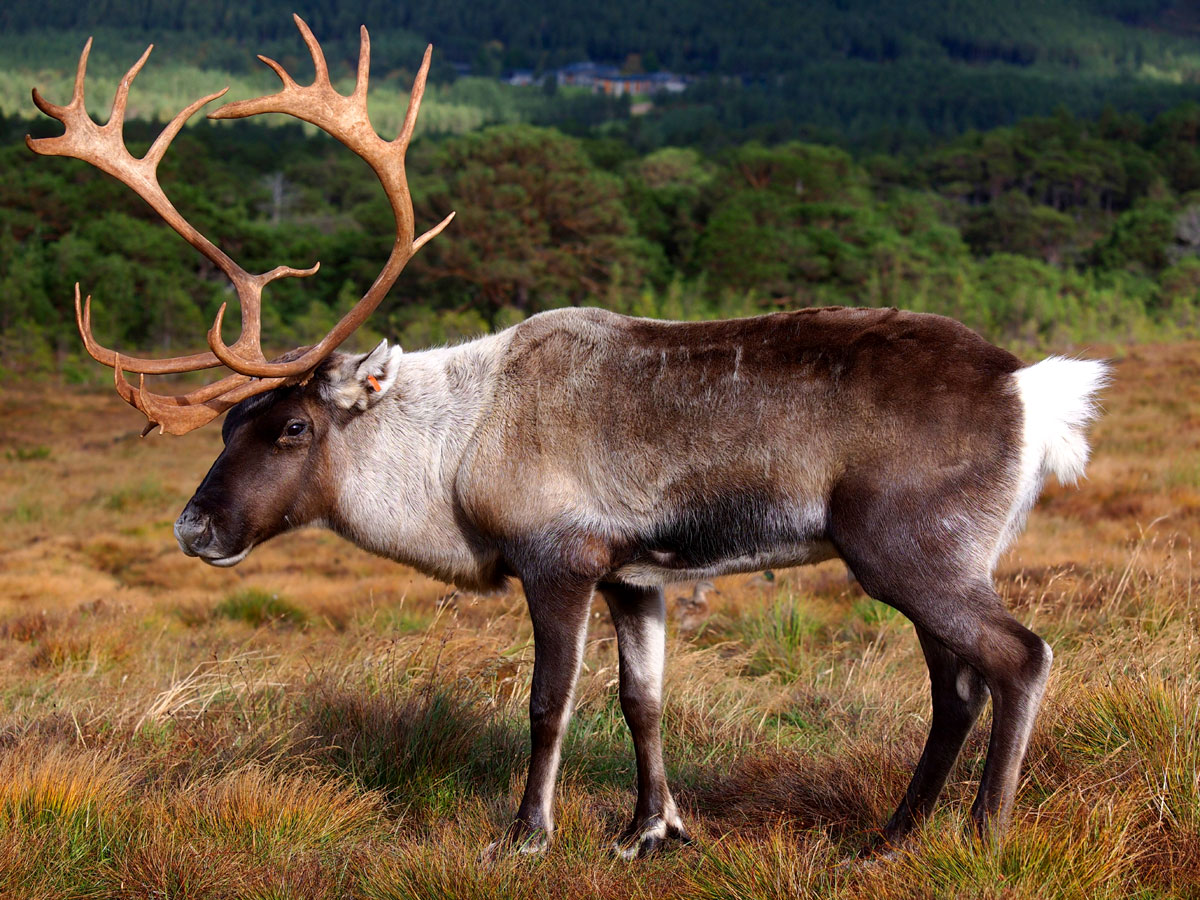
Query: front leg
x=559, y=610
x=639, y=616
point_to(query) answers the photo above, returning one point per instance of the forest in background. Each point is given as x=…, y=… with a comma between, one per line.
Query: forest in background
x=867, y=74
x=1034, y=174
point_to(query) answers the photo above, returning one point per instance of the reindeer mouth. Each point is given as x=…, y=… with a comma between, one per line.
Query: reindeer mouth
x=223, y=562
x=199, y=536
x=206, y=555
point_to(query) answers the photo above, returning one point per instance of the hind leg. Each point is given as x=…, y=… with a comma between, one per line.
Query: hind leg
x=971, y=623
x=959, y=694
x=917, y=550
x=1017, y=667
x=639, y=615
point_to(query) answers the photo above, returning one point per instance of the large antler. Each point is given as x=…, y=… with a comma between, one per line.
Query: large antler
x=345, y=118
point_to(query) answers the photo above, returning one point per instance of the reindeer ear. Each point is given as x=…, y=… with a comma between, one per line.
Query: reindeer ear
x=359, y=382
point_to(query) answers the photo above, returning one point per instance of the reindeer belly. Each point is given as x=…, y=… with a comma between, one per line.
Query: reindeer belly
x=657, y=567
x=739, y=533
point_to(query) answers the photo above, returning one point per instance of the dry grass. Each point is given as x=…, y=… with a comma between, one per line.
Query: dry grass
x=321, y=723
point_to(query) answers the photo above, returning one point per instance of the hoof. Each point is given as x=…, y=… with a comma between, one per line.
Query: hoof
x=518, y=840
x=874, y=856
x=648, y=837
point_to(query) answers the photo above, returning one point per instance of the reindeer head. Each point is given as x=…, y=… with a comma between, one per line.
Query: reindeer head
x=275, y=472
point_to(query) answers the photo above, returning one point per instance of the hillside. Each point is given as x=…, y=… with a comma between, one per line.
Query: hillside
x=1048, y=231
x=862, y=73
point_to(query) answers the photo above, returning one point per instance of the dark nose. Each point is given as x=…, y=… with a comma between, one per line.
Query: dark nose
x=193, y=531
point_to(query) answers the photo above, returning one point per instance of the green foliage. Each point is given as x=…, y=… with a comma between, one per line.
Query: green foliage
x=783, y=635
x=258, y=607
x=798, y=214
x=146, y=492
x=1014, y=224
x=668, y=192
x=675, y=213
x=1051, y=230
x=866, y=73
x=1180, y=284
x=26, y=454
x=721, y=35
x=536, y=225
x=1139, y=239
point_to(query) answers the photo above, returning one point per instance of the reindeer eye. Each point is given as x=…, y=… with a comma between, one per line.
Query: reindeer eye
x=295, y=429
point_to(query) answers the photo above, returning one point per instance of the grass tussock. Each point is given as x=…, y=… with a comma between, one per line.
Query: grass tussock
x=258, y=607
x=147, y=493
x=1089, y=855
x=262, y=808
x=777, y=864
x=40, y=785
x=320, y=723
x=159, y=864
x=414, y=748
x=1151, y=728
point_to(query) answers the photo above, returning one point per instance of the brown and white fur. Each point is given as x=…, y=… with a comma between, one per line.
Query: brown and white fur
x=584, y=451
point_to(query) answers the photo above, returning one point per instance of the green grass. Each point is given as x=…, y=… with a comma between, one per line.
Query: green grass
x=781, y=634
x=27, y=454
x=145, y=492
x=258, y=607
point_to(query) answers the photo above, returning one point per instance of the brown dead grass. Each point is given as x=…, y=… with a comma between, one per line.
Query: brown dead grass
x=370, y=739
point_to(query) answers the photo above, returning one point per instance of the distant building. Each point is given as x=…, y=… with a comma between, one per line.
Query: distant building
x=669, y=83
x=600, y=78
x=607, y=79
x=585, y=74
x=523, y=78
x=640, y=85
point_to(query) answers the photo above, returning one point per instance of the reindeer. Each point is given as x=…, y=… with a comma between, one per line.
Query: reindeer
x=585, y=452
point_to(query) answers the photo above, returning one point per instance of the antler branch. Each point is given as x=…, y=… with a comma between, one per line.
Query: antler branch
x=342, y=116
x=345, y=118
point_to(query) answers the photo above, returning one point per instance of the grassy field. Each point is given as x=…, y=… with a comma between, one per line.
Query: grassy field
x=321, y=723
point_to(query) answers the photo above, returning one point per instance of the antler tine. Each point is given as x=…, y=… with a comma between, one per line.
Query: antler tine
x=314, y=50
x=180, y=414
x=83, y=319
x=81, y=75
x=414, y=101
x=186, y=412
x=363, y=75
x=278, y=70
x=116, y=118
x=53, y=110
x=159, y=148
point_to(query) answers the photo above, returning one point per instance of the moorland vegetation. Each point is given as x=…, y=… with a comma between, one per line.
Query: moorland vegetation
x=322, y=723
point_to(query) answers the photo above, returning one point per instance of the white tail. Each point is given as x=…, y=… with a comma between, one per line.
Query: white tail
x=1059, y=396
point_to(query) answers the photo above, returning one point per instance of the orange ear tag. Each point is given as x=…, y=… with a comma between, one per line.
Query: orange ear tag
x=374, y=383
